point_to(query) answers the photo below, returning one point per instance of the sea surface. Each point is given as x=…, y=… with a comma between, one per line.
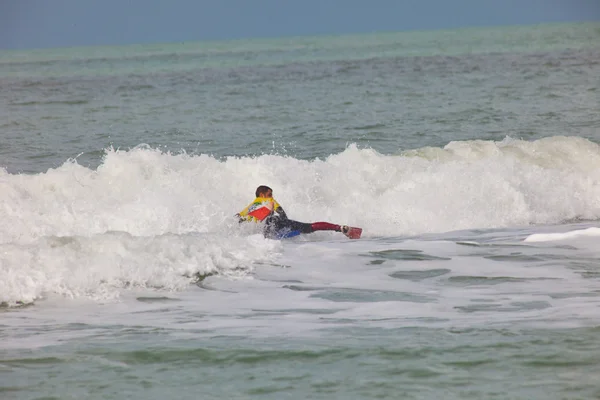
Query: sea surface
x=470, y=158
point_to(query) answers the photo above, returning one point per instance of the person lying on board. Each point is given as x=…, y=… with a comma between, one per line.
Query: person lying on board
x=277, y=225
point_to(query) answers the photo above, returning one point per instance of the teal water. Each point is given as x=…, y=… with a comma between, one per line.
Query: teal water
x=469, y=158
x=304, y=97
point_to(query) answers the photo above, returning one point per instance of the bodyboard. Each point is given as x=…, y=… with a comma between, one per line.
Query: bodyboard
x=287, y=234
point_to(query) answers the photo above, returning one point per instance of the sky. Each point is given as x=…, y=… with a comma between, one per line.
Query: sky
x=27, y=24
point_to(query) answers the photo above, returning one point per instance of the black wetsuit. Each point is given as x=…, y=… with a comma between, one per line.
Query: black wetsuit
x=278, y=225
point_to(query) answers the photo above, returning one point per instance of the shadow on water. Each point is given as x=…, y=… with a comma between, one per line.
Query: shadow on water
x=360, y=295
x=402, y=255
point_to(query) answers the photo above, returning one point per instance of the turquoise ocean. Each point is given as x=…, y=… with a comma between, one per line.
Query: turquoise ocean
x=470, y=158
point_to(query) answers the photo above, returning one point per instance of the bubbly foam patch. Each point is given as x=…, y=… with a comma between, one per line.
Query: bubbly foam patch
x=100, y=266
x=472, y=184
x=174, y=212
x=548, y=237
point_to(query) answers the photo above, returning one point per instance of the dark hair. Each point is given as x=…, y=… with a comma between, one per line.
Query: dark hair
x=262, y=189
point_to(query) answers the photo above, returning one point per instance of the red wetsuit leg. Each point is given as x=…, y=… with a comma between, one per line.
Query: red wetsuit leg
x=325, y=226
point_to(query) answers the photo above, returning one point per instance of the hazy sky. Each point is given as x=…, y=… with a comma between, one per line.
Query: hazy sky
x=62, y=23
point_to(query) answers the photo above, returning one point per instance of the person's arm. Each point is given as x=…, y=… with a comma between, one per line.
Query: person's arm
x=278, y=210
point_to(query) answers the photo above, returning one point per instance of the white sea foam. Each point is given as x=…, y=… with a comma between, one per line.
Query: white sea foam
x=548, y=237
x=99, y=266
x=149, y=218
x=464, y=185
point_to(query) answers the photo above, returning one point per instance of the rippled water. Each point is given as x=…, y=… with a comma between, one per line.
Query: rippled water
x=469, y=158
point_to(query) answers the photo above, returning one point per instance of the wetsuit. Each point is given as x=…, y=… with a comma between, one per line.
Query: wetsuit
x=277, y=224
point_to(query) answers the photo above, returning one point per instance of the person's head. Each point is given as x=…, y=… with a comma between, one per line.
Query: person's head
x=264, y=191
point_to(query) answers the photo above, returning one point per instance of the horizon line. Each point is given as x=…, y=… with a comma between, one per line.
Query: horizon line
x=302, y=36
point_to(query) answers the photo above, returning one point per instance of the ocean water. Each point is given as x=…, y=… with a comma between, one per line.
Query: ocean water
x=470, y=158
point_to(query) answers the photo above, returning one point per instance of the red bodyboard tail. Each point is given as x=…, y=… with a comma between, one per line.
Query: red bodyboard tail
x=354, y=233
